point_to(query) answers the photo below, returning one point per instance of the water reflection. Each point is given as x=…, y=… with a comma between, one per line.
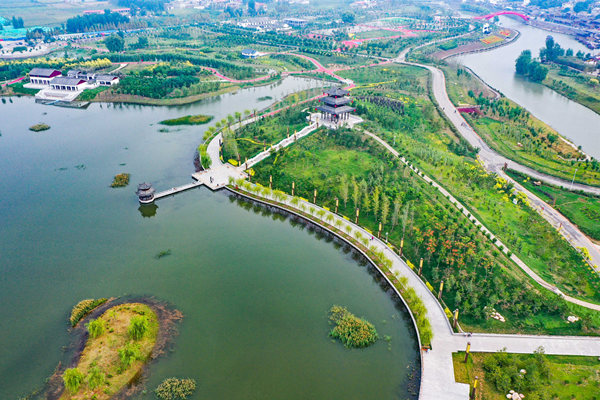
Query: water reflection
x=148, y=210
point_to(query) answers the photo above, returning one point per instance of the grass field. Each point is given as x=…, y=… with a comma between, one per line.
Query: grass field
x=581, y=209
x=546, y=378
x=575, y=86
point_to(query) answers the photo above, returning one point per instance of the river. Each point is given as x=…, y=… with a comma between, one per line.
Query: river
x=254, y=288
x=497, y=68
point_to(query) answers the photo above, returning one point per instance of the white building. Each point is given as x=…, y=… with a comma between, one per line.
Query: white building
x=64, y=83
x=43, y=76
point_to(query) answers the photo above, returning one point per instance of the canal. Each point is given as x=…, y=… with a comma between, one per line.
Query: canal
x=497, y=68
x=254, y=288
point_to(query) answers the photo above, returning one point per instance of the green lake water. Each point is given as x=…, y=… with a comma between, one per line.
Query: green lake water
x=254, y=288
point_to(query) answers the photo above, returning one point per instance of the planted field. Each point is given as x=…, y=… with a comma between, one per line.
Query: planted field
x=582, y=209
x=537, y=376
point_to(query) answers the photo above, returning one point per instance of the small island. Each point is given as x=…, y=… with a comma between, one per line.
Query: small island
x=351, y=330
x=120, y=180
x=188, y=120
x=39, y=127
x=120, y=341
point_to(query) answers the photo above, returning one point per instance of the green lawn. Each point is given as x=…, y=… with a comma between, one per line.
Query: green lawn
x=582, y=209
x=547, y=377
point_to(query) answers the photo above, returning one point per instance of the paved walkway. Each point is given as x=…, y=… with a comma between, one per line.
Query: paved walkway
x=494, y=163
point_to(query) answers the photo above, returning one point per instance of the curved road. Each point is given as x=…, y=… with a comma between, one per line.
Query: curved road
x=494, y=163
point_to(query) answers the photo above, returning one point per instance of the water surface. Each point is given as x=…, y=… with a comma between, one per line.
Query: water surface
x=254, y=289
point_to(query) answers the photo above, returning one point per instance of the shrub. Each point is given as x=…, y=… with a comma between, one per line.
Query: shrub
x=72, y=379
x=175, y=389
x=138, y=327
x=96, y=328
x=120, y=180
x=188, y=120
x=351, y=330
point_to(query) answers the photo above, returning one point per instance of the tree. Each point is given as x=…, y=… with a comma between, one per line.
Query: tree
x=348, y=17
x=95, y=377
x=376, y=202
x=396, y=212
x=138, y=327
x=72, y=379
x=523, y=61
x=96, y=328
x=344, y=189
x=385, y=208
x=355, y=192
x=537, y=72
x=17, y=22
x=114, y=43
x=569, y=53
x=128, y=354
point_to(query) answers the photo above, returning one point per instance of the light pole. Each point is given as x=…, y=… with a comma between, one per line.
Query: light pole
x=573, y=180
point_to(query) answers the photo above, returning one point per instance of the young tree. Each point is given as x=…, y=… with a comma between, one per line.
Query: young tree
x=96, y=328
x=396, y=212
x=376, y=202
x=355, y=192
x=385, y=208
x=72, y=379
x=95, y=377
x=344, y=189
x=138, y=327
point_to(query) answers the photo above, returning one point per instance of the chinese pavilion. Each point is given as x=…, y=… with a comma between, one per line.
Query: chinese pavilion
x=335, y=105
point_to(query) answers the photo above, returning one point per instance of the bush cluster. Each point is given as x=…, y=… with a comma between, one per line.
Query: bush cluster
x=351, y=330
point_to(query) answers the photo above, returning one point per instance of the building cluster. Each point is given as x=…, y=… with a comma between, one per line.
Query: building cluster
x=266, y=24
x=74, y=81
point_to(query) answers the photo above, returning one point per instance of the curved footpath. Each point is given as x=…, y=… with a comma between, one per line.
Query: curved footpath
x=437, y=379
x=494, y=163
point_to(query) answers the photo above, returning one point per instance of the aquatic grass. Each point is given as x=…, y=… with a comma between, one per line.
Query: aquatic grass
x=39, y=127
x=83, y=308
x=188, y=120
x=120, y=180
x=175, y=389
x=351, y=330
x=163, y=253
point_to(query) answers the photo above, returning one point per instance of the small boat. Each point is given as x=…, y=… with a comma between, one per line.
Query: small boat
x=145, y=193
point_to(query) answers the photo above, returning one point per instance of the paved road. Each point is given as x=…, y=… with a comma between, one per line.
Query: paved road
x=494, y=163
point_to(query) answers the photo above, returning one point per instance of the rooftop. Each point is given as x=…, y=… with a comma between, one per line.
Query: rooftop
x=336, y=92
x=64, y=80
x=43, y=72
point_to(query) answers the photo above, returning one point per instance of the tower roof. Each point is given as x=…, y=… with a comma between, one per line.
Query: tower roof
x=336, y=92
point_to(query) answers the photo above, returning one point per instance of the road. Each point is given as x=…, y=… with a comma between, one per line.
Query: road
x=494, y=163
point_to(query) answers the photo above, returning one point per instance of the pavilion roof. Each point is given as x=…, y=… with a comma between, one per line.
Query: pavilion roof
x=336, y=92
